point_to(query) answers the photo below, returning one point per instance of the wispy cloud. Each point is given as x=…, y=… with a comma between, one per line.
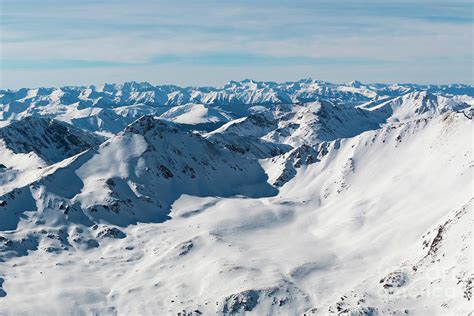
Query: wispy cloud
x=321, y=37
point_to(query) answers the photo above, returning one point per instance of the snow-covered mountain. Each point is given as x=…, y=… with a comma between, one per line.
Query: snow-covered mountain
x=50, y=140
x=415, y=104
x=194, y=114
x=255, y=198
x=30, y=146
x=110, y=107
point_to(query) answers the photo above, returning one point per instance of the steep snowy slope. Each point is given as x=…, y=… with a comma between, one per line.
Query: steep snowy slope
x=249, y=146
x=356, y=205
x=29, y=145
x=414, y=104
x=308, y=123
x=386, y=187
x=196, y=114
x=50, y=140
x=256, y=125
x=243, y=135
x=154, y=162
x=311, y=123
x=283, y=168
x=368, y=229
x=104, y=121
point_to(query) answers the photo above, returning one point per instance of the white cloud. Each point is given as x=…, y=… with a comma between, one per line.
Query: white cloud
x=139, y=32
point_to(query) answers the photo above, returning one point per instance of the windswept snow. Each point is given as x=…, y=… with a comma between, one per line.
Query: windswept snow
x=256, y=198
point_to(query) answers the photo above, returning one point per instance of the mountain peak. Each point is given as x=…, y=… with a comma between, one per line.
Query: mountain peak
x=355, y=84
x=50, y=139
x=149, y=123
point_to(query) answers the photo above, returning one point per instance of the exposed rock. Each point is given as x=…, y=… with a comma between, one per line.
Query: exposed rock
x=394, y=279
x=104, y=231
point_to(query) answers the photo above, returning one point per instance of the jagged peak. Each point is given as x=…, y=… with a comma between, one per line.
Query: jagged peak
x=37, y=123
x=355, y=84
x=147, y=123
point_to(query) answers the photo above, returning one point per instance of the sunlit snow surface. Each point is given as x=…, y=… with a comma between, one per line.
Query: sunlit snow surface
x=251, y=199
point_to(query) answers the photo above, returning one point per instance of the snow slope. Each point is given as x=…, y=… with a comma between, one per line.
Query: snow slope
x=195, y=114
x=28, y=147
x=288, y=208
x=416, y=104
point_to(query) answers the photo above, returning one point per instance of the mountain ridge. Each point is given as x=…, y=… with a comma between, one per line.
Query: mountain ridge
x=343, y=201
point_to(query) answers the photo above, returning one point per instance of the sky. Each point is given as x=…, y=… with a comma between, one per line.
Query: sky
x=210, y=42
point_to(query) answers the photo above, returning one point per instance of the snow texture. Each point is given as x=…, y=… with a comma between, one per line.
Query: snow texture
x=255, y=198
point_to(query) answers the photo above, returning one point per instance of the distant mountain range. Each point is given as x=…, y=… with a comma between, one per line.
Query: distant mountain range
x=235, y=92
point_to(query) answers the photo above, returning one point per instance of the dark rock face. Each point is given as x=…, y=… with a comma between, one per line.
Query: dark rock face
x=241, y=302
x=185, y=247
x=2, y=292
x=394, y=279
x=17, y=247
x=278, y=297
x=147, y=124
x=296, y=158
x=51, y=140
x=165, y=172
x=108, y=232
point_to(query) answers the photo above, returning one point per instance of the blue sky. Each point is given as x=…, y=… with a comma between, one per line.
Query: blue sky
x=209, y=42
